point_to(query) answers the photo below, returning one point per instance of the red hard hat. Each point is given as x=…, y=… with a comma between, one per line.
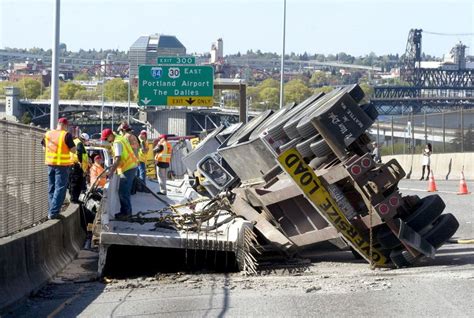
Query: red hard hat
x=143, y=132
x=163, y=136
x=62, y=120
x=106, y=133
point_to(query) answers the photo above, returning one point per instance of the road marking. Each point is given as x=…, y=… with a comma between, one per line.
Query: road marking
x=66, y=303
x=424, y=190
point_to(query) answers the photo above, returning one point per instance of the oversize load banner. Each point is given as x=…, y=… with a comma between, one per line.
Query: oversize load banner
x=315, y=192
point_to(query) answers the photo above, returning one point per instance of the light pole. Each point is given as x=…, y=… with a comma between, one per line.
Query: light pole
x=283, y=56
x=55, y=69
x=104, y=75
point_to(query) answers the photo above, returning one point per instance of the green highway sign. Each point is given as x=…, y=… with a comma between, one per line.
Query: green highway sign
x=176, y=60
x=175, y=85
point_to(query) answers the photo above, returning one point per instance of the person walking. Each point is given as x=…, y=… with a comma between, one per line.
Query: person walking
x=77, y=178
x=142, y=155
x=96, y=172
x=426, y=161
x=125, y=164
x=58, y=145
x=163, y=152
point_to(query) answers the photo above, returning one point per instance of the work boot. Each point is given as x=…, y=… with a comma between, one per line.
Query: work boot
x=121, y=217
x=56, y=217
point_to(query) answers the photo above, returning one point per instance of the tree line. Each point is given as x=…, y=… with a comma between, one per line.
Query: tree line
x=114, y=90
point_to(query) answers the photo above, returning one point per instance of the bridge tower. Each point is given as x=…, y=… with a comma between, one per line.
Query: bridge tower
x=12, y=106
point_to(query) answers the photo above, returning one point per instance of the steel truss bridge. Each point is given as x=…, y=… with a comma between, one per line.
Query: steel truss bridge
x=429, y=90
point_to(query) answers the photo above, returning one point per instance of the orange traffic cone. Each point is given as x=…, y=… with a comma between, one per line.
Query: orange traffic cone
x=432, y=183
x=463, y=185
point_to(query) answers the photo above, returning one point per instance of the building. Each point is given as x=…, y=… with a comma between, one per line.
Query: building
x=217, y=52
x=146, y=49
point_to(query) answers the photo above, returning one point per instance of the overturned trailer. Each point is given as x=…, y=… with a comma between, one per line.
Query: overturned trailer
x=305, y=174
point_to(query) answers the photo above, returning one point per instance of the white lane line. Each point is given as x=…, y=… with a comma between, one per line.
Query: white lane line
x=424, y=190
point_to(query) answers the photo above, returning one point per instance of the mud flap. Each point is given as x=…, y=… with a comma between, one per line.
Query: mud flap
x=413, y=239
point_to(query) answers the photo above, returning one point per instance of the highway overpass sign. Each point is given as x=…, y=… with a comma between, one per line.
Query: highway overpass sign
x=176, y=60
x=180, y=85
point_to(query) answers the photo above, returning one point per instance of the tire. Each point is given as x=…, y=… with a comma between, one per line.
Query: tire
x=370, y=110
x=269, y=121
x=387, y=239
x=402, y=258
x=355, y=253
x=443, y=229
x=244, y=132
x=290, y=144
x=428, y=211
x=305, y=128
x=304, y=147
x=320, y=148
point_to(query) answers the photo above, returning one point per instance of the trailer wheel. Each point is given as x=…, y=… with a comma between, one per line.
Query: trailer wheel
x=320, y=148
x=402, y=258
x=387, y=239
x=443, y=229
x=304, y=147
x=429, y=209
x=355, y=253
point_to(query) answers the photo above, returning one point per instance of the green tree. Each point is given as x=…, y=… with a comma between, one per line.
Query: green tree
x=296, y=91
x=253, y=95
x=82, y=77
x=269, y=97
x=86, y=95
x=323, y=89
x=26, y=118
x=319, y=78
x=68, y=90
x=46, y=93
x=368, y=90
x=269, y=82
x=3, y=85
x=117, y=90
x=29, y=88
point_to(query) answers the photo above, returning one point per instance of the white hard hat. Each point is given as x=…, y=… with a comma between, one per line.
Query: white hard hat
x=85, y=136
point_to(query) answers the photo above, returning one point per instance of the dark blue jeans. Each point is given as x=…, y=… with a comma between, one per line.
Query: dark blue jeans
x=125, y=191
x=142, y=171
x=57, y=186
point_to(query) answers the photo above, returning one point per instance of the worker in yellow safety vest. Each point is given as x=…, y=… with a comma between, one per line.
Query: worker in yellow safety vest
x=163, y=152
x=77, y=178
x=58, y=144
x=125, y=164
x=126, y=131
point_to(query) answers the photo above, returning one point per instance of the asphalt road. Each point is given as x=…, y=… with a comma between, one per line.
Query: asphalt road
x=331, y=283
x=461, y=206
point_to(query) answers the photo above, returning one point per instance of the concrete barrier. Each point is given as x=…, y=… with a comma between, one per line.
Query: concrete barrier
x=29, y=259
x=445, y=166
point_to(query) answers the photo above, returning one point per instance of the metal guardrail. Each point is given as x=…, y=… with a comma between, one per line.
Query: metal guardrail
x=23, y=177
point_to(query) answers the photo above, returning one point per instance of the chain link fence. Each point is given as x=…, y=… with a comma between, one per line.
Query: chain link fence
x=447, y=132
x=23, y=177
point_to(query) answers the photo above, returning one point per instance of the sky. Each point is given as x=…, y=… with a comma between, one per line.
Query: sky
x=356, y=27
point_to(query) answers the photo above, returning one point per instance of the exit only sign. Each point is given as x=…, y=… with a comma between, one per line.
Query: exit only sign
x=179, y=85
